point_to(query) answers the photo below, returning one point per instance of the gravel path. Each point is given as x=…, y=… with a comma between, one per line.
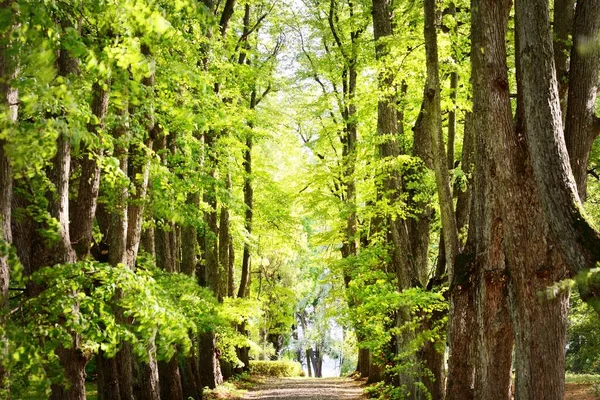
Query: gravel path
x=307, y=389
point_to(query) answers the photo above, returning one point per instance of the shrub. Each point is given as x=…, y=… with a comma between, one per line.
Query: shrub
x=283, y=368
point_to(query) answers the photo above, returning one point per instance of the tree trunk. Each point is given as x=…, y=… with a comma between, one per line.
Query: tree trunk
x=362, y=366
x=461, y=320
x=564, y=11
x=148, y=377
x=309, y=362
x=73, y=361
x=208, y=354
x=491, y=115
x=578, y=241
x=9, y=104
x=189, y=242
x=139, y=173
x=582, y=126
x=189, y=382
x=225, y=268
x=84, y=209
x=108, y=377
x=433, y=118
x=170, y=379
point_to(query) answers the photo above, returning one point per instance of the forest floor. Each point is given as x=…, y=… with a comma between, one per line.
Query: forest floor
x=261, y=388
x=579, y=391
x=306, y=389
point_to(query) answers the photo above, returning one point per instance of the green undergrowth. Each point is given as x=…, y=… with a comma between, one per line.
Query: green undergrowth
x=280, y=368
x=234, y=388
x=582, y=378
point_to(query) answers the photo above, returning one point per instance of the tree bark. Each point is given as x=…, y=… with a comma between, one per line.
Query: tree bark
x=571, y=231
x=564, y=11
x=433, y=117
x=170, y=379
x=249, y=204
x=89, y=182
x=581, y=125
x=208, y=354
x=9, y=104
x=491, y=114
x=462, y=318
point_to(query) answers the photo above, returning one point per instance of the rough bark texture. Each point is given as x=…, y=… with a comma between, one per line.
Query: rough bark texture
x=190, y=382
x=108, y=377
x=9, y=103
x=491, y=114
x=73, y=361
x=170, y=379
x=387, y=128
x=461, y=321
x=461, y=326
x=577, y=240
x=208, y=355
x=148, y=376
x=537, y=308
x=89, y=182
x=564, y=11
x=581, y=124
x=433, y=118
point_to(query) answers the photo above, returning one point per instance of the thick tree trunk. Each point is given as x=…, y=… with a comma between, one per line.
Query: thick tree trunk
x=73, y=361
x=170, y=379
x=582, y=126
x=165, y=247
x=208, y=355
x=124, y=360
x=576, y=238
x=362, y=366
x=434, y=378
x=492, y=116
x=375, y=372
x=148, y=377
x=189, y=381
x=108, y=377
x=540, y=320
x=461, y=328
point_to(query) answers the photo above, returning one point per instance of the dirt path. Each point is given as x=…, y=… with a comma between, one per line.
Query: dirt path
x=307, y=389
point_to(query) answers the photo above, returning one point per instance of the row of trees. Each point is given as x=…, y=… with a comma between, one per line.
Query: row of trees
x=145, y=144
x=129, y=192
x=505, y=206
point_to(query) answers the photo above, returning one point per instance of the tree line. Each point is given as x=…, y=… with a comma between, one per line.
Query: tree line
x=442, y=152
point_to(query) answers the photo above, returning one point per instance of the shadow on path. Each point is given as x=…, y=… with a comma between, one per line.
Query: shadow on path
x=307, y=389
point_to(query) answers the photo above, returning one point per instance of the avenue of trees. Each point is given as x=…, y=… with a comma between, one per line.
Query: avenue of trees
x=187, y=185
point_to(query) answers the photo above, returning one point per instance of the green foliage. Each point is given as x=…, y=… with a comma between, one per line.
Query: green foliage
x=87, y=298
x=280, y=368
x=583, y=338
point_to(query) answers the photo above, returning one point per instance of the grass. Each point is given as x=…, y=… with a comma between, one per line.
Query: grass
x=582, y=378
x=91, y=391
